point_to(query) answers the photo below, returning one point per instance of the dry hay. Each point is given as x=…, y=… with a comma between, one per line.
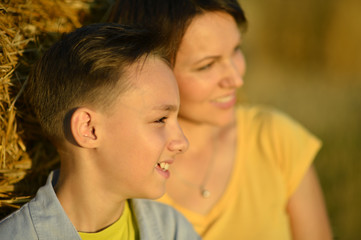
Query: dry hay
x=26, y=29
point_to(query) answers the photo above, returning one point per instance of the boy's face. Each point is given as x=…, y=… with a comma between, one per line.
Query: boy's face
x=141, y=134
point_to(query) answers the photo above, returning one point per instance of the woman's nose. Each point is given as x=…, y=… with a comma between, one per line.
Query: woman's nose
x=234, y=73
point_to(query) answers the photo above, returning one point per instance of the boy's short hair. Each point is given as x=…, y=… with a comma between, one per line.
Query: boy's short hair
x=87, y=68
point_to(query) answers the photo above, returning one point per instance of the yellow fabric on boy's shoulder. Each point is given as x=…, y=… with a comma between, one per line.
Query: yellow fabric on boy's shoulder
x=124, y=228
x=273, y=154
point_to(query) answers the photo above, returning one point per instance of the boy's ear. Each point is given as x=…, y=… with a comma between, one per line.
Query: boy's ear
x=83, y=127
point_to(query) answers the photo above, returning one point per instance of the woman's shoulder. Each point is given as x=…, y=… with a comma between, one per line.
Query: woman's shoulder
x=266, y=122
x=272, y=127
x=261, y=114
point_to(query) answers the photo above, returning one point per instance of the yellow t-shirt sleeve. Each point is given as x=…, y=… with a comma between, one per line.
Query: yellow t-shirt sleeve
x=294, y=148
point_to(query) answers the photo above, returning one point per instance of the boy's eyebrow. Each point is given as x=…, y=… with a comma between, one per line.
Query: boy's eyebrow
x=166, y=107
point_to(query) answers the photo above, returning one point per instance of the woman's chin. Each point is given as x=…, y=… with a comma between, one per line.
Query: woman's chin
x=218, y=119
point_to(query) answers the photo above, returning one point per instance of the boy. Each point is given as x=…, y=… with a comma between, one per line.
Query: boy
x=107, y=99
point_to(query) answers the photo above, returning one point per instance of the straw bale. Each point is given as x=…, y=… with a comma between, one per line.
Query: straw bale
x=27, y=28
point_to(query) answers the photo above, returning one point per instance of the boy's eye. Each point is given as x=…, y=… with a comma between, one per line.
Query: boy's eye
x=238, y=49
x=161, y=120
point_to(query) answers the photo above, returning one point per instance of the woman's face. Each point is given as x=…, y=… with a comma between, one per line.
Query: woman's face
x=209, y=69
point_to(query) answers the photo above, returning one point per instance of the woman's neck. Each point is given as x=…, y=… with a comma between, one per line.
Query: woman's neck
x=203, y=172
x=201, y=136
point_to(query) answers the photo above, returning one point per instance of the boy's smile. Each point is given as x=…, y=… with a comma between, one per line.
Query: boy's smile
x=141, y=135
x=163, y=167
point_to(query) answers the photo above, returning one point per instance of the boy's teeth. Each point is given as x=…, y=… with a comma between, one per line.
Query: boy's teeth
x=164, y=166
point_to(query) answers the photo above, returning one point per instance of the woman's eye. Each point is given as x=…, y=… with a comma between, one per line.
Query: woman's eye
x=161, y=120
x=205, y=67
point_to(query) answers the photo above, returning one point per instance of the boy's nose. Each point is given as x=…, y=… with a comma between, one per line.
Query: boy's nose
x=180, y=143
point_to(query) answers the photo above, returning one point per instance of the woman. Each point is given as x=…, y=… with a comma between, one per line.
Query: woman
x=251, y=174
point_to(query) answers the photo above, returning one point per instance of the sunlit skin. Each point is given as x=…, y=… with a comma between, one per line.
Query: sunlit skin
x=142, y=131
x=119, y=150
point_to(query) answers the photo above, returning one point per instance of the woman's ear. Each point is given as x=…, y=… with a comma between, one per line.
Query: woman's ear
x=83, y=127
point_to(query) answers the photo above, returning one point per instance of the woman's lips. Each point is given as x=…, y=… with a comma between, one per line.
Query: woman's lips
x=225, y=102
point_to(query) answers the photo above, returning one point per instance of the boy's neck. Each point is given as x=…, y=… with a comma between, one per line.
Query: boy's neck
x=88, y=207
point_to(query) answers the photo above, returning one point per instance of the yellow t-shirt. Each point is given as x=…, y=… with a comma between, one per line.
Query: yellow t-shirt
x=273, y=154
x=124, y=228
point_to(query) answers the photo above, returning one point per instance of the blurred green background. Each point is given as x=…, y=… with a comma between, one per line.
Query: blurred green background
x=304, y=57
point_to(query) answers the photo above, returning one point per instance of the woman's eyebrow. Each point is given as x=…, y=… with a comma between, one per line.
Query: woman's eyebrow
x=213, y=57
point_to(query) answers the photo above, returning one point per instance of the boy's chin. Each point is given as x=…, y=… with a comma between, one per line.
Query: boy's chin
x=153, y=195
x=158, y=195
